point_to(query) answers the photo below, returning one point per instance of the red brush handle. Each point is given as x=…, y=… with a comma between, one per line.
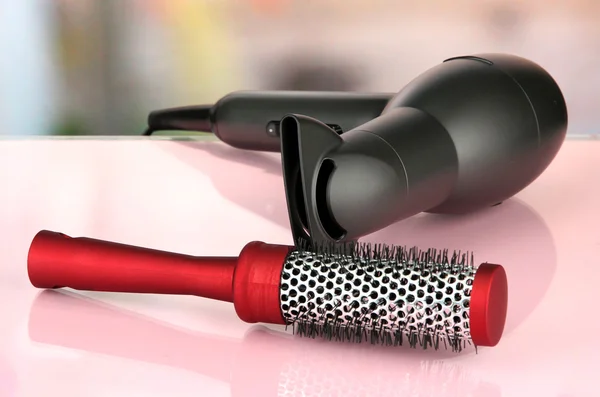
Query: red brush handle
x=57, y=261
x=250, y=281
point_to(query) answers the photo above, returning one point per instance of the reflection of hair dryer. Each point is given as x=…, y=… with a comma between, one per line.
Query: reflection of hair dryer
x=265, y=363
x=469, y=133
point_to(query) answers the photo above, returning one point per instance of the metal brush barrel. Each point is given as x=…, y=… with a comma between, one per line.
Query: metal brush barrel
x=392, y=296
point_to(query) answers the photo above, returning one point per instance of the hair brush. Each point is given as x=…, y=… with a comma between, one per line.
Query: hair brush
x=381, y=294
x=262, y=363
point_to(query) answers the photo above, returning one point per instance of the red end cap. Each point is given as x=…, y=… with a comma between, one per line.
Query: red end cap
x=489, y=302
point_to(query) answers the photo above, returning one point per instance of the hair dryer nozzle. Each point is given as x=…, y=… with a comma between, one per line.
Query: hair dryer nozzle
x=304, y=143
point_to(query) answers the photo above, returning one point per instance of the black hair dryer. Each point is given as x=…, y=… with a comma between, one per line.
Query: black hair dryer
x=466, y=134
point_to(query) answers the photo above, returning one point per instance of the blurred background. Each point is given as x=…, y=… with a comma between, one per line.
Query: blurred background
x=97, y=67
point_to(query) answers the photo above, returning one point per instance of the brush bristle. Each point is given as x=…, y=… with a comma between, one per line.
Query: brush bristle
x=377, y=293
x=388, y=253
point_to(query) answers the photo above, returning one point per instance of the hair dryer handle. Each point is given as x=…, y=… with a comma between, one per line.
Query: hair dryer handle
x=250, y=120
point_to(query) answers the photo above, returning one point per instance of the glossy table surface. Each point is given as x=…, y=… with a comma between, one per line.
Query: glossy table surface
x=204, y=198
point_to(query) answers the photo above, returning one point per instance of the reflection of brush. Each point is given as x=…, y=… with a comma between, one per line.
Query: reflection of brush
x=8, y=379
x=264, y=363
x=384, y=295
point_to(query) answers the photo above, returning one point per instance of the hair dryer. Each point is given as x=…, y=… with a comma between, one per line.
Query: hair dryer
x=466, y=134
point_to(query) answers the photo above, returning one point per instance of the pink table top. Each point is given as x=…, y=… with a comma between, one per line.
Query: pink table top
x=204, y=198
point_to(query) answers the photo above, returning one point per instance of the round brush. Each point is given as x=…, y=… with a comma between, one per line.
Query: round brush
x=380, y=294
